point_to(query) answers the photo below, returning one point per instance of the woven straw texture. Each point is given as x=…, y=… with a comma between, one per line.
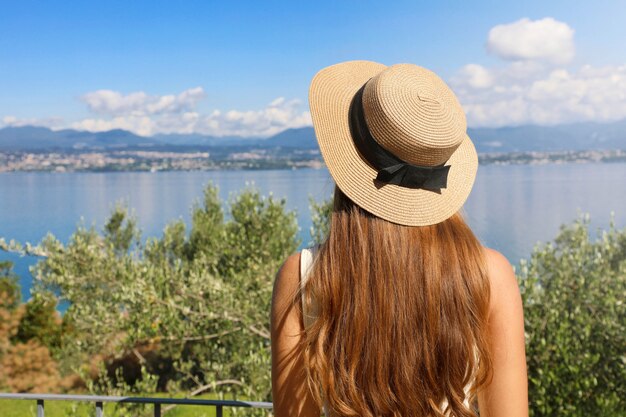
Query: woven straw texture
x=413, y=114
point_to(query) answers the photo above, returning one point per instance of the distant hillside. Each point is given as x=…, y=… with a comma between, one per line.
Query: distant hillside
x=575, y=137
x=303, y=137
x=570, y=137
x=204, y=140
x=34, y=138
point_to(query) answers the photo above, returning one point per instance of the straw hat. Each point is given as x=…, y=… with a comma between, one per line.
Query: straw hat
x=394, y=140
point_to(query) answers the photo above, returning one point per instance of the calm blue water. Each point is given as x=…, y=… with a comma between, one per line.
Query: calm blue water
x=511, y=207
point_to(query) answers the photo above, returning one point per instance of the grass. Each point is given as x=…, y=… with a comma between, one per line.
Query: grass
x=28, y=408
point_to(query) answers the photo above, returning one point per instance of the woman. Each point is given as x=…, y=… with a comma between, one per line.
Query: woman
x=400, y=312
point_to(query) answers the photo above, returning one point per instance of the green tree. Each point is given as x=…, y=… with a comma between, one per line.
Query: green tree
x=41, y=321
x=25, y=363
x=188, y=311
x=574, y=293
x=9, y=286
x=320, y=216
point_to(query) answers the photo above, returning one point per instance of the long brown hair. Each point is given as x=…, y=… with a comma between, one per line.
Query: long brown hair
x=402, y=315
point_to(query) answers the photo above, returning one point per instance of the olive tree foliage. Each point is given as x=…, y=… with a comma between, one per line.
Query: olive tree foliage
x=574, y=294
x=191, y=307
x=320, y=219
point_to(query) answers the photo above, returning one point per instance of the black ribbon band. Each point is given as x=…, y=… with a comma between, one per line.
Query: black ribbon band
x=392, y=170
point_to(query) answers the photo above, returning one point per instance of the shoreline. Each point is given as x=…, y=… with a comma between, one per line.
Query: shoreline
x=128, y=161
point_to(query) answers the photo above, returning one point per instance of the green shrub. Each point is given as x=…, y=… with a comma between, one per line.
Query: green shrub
x=574, y=294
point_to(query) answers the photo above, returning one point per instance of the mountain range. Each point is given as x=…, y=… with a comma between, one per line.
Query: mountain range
x=526, y=138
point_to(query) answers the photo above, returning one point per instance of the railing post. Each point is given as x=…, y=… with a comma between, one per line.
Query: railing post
x=40, y=409
x=157, y=410
x=99, y=410
x=218, y=411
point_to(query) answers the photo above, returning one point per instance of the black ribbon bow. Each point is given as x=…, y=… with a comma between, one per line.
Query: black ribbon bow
x=391, y=169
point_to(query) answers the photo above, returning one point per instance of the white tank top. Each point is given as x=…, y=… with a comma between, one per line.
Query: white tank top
x=306, y=262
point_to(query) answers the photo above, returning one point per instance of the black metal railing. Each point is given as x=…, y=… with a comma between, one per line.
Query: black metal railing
x=99, y=400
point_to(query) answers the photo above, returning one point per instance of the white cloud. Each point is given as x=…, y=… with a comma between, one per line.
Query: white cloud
x=534, y=86
x=49, y=122
x=141, y=125
x=474, y=76
x=114, y=103
x=544, y=97
x=148, y=115
x=279, y=115
x=545, y=40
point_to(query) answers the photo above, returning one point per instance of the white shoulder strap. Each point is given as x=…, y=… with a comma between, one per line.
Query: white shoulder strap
x=306, y=261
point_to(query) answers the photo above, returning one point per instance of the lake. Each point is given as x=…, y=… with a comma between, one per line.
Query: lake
x=511, y=208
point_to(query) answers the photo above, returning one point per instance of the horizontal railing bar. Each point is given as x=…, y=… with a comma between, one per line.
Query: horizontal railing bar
x=135, y=400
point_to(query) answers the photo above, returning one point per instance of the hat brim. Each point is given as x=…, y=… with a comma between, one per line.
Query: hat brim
x=330, y=95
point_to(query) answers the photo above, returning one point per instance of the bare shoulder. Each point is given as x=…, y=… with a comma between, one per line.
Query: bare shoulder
x=288, y=278
x=504, y=286
x=289, y=270
x=507, y=393
x=290, y=391
x=496, y=261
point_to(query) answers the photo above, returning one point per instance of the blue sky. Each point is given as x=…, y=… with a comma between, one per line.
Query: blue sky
x=78, y=64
